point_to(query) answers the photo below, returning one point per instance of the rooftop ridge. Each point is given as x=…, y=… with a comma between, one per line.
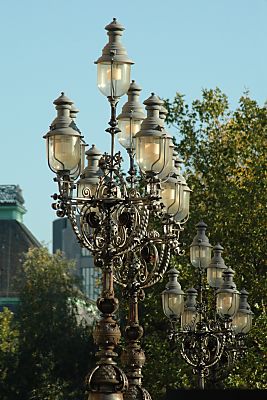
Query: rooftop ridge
x=11, y=195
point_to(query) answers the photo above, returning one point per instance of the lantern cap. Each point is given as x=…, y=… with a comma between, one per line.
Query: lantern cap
x=201, y=225
x=92, y=170
x=218, y=247
x=176, y=168
x=172, y=272
x=192, y=291
x=152, y=124
x=93, y=151
x=153, y=101
x=134, y=87
x=201, y=239
x=73, y=111
x=63, y=124
x=173, y=286
x=163, y=112
x=191, y=299
x=244, y=292
x=217, y=261
x=133, y=108
x=114, y=25
x=244, y=306
x=228, y=285
x=114, y=50
x=62, y=99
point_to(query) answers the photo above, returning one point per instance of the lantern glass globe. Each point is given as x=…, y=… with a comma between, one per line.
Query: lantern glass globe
x=113, y=79
x=64, y=152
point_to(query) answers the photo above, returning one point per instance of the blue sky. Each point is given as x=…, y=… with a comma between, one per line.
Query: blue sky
x=50, y=46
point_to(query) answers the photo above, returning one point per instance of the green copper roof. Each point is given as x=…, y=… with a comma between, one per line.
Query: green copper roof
x=11, y=203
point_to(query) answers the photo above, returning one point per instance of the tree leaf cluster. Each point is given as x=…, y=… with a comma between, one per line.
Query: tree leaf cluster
x=50, y=352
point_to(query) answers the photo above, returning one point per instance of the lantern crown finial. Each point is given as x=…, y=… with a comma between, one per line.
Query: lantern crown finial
x=114, y=50
x=62, y=99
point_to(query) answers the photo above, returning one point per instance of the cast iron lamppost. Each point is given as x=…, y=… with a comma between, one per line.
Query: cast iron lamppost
x=112, y=217
x=207, y=326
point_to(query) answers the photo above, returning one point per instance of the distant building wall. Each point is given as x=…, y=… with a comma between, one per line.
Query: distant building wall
x=15, y=241
x=65, y=240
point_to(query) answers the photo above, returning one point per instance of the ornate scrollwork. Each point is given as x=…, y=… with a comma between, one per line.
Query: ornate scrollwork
x=86, y=192
x=121, y=222
x=202, y=351
x=132, y=244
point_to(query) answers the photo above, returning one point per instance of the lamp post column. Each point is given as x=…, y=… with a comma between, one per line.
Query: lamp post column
x=133, y=357
x=107, y=381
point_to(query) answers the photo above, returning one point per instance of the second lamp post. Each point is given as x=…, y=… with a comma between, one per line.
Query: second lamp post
x=206, y=329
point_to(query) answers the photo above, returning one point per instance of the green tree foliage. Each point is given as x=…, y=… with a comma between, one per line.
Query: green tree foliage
x=55, y=351
x=224, y=153
x=9, y=343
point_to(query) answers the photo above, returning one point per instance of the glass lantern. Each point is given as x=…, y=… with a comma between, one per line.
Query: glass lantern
x=131, y=117
x=183, y=212
x=153, y=148
x=114, y=66
x=171, y=195
x=200, y=249
x=64, y=150
x=227, y=297
x=242, y=321
x=64, y=140
x=163, y=112
x=215, y=268
x=152, y=153
x=190, y=315
x=227, y=303
x=128, y=128
x=173, y=297
x=113, y=79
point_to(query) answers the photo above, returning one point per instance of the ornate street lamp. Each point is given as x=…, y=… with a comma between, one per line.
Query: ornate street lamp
x=64, y=140
x=131, y=117
x=173, y=297
x=200, y=249
x=175, y=194
x=207, y=332
x=112, y=217
x=114, y=66
x=190, y=315
x=242, y=321
x=129, y=123
x=153, y=145
x=227, y=296
x=215, y=268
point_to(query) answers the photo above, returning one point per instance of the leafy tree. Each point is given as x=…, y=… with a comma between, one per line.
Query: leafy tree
x=55, y=349
x=225, y=166
x=9, y=342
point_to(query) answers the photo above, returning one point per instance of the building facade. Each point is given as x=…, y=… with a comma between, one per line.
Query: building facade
x=65, y=240
x=15, y=241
